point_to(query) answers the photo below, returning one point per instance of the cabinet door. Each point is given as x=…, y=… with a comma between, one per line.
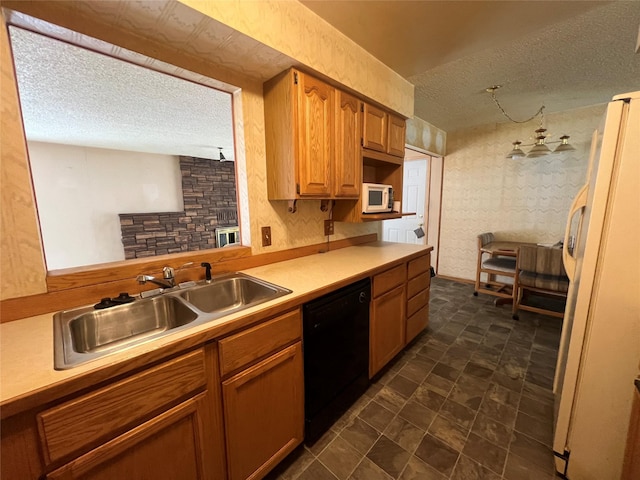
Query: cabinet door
x=387, y=328
x=315, y=110
x=348, y=160
x=396, y=139
x=374, y=128
x=264, y=413
x=172, y=445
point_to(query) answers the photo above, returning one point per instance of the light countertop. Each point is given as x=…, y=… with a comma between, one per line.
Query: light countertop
x=26, y=345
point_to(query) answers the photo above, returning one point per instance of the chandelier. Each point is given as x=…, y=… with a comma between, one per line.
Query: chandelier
x=540, y=147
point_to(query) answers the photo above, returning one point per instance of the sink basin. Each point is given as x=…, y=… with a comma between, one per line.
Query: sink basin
x=86, y=334
x=230, y=293
x=110, y=328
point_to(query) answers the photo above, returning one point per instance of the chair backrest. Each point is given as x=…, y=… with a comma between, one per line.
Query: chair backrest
x=541, y=260
x=485, y=238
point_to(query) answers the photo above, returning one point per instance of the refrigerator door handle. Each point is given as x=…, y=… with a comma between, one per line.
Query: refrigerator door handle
x=579, y=203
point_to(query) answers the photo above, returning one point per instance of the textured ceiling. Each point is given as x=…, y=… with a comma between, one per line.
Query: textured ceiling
x=78, y=97
x=561, y=54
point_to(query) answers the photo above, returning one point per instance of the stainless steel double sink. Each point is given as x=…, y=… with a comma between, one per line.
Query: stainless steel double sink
x=85, y=334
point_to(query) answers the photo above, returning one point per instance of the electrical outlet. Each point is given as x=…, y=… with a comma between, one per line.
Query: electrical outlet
x=328, y=227
x=266, y=236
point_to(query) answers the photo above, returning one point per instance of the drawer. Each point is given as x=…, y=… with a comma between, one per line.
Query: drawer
x=416, y=302
x=421, y=282
x=385, y=281
x=419, y=265
x=250, y=345
x=417, y=322
x=107, y=412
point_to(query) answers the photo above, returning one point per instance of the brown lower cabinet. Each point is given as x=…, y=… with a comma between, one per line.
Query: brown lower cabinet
x=171, y=445
x=387, y=328
x=231, y=409
x=163, y=422
x=399, y=309
x=418, y=284
x=262, y=394
x=264, y=413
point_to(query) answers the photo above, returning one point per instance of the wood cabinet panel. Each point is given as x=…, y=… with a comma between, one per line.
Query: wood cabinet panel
x=280, y=136
x=374, y=128
x=348, y=160
x=387, y=328
x=385, y=281
x=264, y=413
x=417, y=302
x=312, y=133
x=315, y=120
x=396, y=136
x=419, y=265
x=417, y=322
x=243, y=348
x=169, y=446
x=419, y=274
x=415, y=285
x=107, y=412
x=20, y=452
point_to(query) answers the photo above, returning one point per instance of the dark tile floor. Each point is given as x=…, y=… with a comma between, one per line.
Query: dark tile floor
x=469, y=399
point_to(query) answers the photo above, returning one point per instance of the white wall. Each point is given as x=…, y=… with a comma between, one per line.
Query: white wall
x=80, y=191
x=527, y=199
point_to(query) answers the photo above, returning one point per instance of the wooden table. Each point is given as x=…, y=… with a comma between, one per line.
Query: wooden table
x=506, y=249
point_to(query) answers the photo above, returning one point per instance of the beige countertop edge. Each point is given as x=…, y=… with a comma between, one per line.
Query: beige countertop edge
x=26, y=345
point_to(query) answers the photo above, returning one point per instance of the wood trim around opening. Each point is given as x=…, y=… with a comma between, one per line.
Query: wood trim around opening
x=72, y=288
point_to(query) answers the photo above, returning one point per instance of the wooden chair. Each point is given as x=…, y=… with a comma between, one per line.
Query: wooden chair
x=494, y=263
x=540, y=270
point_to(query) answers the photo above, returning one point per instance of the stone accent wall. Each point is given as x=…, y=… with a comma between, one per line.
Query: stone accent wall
x=210, y=201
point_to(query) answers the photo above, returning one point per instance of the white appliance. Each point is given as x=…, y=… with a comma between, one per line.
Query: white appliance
x=600, y=343
x=377, y=198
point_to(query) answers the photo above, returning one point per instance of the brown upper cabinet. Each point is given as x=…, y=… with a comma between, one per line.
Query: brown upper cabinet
x=299, y=119
x=396, y=139
x=318, y=138
x=382, y=131
x=374, y=128
x=312, y=139
x=348, y=160
x=314, y=112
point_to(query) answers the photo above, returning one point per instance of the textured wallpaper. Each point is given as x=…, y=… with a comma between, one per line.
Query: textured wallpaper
x=288, y=230
x=426, y=136
x=526, y=199
x=292, y=29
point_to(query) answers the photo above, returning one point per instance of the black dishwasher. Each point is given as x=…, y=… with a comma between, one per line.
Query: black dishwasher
x=336, y=355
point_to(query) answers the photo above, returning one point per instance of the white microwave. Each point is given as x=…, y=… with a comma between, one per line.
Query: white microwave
x=376, y=198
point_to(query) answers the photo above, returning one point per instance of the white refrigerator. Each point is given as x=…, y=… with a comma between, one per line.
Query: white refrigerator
x=599, y=353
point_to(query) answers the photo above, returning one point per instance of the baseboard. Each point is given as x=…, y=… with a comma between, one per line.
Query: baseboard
x=456, y=279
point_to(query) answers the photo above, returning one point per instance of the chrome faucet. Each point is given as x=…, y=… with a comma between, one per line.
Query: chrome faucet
x=168, y=280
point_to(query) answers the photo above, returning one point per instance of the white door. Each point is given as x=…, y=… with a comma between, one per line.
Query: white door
x=414, y=196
